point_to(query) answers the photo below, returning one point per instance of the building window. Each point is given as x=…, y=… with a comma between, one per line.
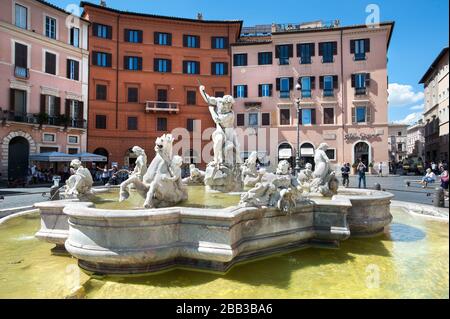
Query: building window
x=49, y=138
x=285, y=117
x=19, y=105
x=190, y=125
x=305, y=51
x=240, y=91
x=331, y=154
x=283, y=53
x=265, y=90
x=191, y=67
x=132, y=123
x=253, y=119
x=133, y=36
x=219, y=68
x=191, y=97
x=264, y=58
x=219, y=94
x=132, y=63
x=52, y=106
x=72, y=139
x=100, y=122
x=50, y=27
x=328, y=87
x=74, y=37
x=328, y=115
x=163, y=38
x=74, y=109
x=73, y=70
x=359, y=48
x=361, y=114
x=20, y=60
x=360, y=82
x=72, y=150
x=161, y=124
x=219, y=42
x=327, y=50
x=100, y=91
x=285, y=88
x=101, y=59
x=102, y=31
x=50, y=63
x=265, y=119
x=133, y=95
x=191, y=41
x=306, y=116
x=306, y=86
x=240, y=119
x=21, y=14
x=162, y=65
x=240, y=59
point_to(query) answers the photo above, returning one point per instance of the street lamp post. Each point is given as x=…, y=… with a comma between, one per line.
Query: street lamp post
x=297, y=102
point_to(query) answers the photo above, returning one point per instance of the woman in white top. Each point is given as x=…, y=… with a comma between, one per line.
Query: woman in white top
x=430, y=177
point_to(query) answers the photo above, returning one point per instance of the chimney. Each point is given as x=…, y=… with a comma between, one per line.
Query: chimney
x=199, y=16
x=103, y=3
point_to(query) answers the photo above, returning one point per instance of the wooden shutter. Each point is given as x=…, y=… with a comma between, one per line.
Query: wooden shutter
x=213, y=42
x=185, y=66
x=321, y=49
x=21, y=52
x=57, y=106
x=368, y=114
x=197, y=67
x=245, y=59
x=313, y=116
x=334, y=48
x=81, y=110
x=291, y=83
x=270, y=89
x=259, y=90
x=225, y=68
x=367, y=45
x=42, y=106
x=277, y=51
x=169, y=38
x=139, y=63
x=299, y=48
x=140, y=36
x=126, y=35
x=300, y=117
x=321, y=79
x=169, y=65
x=353, y=80
x=313, y=82
x=225, y=42
x=213, y=69
x=109, y=32
x=95, y=29
x=278, y=84
x=94, y=57
x=77, y=70
x=312, y=49
x=335, y=82
x=245, y=91
x=235, y=91
x=67, y=108
x=353, y=115
x=12, y=100
x=290, y=50
x=156, y=37
x=67, y=68
x=185, y=40
x=270, y=57
x=352, y=46
x=108, y=59
x=155, y=64
x=125, y=63
x=367, y=79
x=259, y=58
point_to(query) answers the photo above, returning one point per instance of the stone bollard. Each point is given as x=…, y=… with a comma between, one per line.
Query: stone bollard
x=439, y=198
x=54, y=193
x=377, y=187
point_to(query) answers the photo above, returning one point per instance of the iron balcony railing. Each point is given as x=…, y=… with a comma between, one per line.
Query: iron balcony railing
x=328, y=92
x=360, y=91
x=50, y=120
x=161, y=106
x=21, y=72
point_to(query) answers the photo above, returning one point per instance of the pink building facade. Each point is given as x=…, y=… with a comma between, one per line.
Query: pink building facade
x=43, y=85
x=343, y=97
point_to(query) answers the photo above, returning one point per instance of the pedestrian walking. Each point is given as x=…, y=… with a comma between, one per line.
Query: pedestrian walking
x=345, y=170
x=361, y=169
x=444, y=177
x=380, y=169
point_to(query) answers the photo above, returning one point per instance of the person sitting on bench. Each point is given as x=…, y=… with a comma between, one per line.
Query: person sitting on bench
x=430, y=177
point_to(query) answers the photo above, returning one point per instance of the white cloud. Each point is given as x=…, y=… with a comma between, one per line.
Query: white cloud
x=402, y=95
x=416, y=107
x=410, y=119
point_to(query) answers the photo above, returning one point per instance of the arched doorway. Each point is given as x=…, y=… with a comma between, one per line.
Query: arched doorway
x=18, y=158
x=306, y=154
x=129, y=159
x=361, y=151
x=286, y=153
x=103, y=152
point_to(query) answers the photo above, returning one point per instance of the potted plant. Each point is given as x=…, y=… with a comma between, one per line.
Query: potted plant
x=64, y=120
x=42, y=118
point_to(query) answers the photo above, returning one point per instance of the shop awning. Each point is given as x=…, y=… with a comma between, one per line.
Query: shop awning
x=89, y=157
x=307, y=151
x=284, y=153
x=52, y=157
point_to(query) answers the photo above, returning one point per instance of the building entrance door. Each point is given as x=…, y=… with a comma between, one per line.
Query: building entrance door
x=18, y=157
x=362, y=152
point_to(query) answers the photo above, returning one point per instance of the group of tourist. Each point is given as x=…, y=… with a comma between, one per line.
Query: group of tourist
x=361, y=169
x=111, y=176
x=431, y=177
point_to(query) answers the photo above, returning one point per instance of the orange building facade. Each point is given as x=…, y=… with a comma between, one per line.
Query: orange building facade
x=144, y=76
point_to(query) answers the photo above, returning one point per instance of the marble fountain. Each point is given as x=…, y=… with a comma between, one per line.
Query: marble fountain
x=157, y=221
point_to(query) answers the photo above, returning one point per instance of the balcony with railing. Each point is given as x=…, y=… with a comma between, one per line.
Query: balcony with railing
x=361, y=91
x=43, y=119
x=21, y=72
x=328, y=92
x=162, y=106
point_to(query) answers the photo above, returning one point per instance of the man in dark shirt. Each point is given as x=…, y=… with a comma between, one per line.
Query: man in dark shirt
x=345, y=170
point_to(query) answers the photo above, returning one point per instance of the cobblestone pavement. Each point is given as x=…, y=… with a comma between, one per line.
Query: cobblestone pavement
x=18, y=197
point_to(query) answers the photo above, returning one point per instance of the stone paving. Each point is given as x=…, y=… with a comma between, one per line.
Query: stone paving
x=19, y=197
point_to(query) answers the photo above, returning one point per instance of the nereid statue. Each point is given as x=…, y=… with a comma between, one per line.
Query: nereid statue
x=137, y=175
x=196, y=177
x=250, y=174
x=80, y=183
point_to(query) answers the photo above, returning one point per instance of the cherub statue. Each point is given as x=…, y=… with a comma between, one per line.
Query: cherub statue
x=80, y=183
x=197, y=176
x=138, y=173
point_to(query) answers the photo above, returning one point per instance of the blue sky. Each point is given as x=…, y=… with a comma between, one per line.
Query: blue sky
x=421, y=31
